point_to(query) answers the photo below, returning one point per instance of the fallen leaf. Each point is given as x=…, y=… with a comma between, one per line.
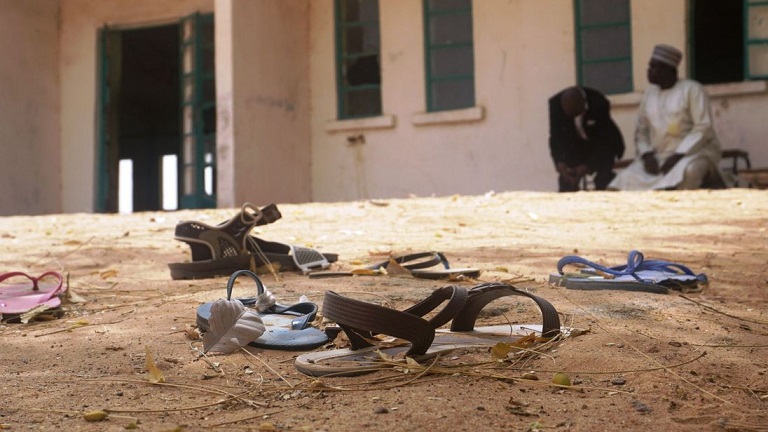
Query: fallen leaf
x=500, y=350
x=79, y=323
x=395, y=269
x=366, y=272
x=73, y=297
x=232, y=326
x=30, y=315
x=106, y=274
x=154, y=373
x=95, y=416
x=561, y=378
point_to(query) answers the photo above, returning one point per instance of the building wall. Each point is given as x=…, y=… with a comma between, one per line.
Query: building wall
x=738, y=109
x=279, y=139
x=30, y=167
x=263, y=102
x=524, y=53
x=80, y=24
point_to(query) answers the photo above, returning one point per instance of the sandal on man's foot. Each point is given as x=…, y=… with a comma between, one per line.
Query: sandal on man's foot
x=288, y=327
x=223, y=249
x=418, y=265
x=417, y=338
x=639, y=274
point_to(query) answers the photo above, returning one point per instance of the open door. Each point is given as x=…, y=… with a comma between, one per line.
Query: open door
x=156, y=117
x=197, y=168
x=107, y=121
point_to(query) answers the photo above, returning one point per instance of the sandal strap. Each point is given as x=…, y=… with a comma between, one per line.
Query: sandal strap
x=457, y=300
x=361, y=321
x=264, y=299
x=36, y=279
x=227, y=239
x=481, y=295
x=435, y=258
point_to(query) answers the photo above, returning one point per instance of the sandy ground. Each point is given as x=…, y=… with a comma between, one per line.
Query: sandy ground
x=688, y=362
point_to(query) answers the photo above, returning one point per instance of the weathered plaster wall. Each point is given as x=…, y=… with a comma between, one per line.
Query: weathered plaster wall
x=524, y=53
x=279, y=139
x=263, y=102
x=30, y=155
x=739, y=109
x=80, y=23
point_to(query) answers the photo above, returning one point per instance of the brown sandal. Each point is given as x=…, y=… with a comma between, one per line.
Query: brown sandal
x=362, y=321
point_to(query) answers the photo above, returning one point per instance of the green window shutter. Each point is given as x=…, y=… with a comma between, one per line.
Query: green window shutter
x=358, y=71
x=604, y=45
x=449, y=54
x=756, y=39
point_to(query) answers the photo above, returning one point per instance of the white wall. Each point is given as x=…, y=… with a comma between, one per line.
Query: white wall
x=30, y=168
x=80, y=23
x=263, y=102
x=279, y=139
x=524, y=53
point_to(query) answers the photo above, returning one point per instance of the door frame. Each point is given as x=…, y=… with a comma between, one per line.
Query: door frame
x=192, y=158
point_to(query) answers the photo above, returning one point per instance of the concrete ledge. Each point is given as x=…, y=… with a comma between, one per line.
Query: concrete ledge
x=738, y=88
x=454, y=116
x=714, y=90
x=380, y=122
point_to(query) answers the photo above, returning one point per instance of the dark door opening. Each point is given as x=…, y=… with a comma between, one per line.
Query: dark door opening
x=156, y=122
x=149, y=112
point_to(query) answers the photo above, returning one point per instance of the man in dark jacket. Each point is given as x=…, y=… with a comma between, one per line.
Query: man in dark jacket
x=583, y=139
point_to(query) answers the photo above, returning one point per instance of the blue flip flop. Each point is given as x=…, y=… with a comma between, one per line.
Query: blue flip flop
x=639, y=274
x=288, y=327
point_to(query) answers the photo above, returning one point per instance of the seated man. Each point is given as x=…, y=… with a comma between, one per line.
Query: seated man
x=677, y=147
x=583, y=139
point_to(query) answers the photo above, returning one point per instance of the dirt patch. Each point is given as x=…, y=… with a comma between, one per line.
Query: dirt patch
x=647, y=362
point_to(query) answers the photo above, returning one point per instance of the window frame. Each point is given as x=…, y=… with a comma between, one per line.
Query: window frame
x=752, y=42
x=580, y=62
x=430, y=78
x=342, y=88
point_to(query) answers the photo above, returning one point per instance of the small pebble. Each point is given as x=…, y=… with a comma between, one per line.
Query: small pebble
x=618, y=381
x=381, y=410
x=641, y=407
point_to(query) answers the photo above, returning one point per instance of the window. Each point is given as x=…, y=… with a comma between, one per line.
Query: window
x=721, y=50
x=756, y=18
x=358, y=75
x=604, y=45
x=717, y=41
x=449, y=54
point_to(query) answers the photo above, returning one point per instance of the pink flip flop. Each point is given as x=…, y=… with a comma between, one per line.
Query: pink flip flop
x=20, y=292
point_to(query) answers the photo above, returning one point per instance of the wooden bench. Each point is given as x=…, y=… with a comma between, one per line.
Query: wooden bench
x=737, y=161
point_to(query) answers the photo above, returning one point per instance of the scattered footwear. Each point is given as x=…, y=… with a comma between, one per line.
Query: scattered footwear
x=417, y=337
x=287, y=327
x=639, y=274
x=21, y=292
x=228, y=247
x=417, y=264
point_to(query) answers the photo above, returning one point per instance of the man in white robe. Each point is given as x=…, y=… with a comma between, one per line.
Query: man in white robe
x=677, y=147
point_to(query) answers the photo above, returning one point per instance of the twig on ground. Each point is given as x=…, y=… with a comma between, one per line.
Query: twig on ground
x=711, y=309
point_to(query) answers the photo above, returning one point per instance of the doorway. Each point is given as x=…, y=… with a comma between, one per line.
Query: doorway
x=157, y=125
